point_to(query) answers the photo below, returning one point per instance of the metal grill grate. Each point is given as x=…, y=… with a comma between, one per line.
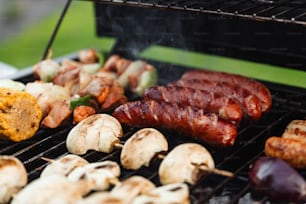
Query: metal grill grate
x=283, y=11
x=288, y=105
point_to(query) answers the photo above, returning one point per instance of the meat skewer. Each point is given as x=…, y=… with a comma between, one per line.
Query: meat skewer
x=256, y=87
x=206, y=127
x=225, y=107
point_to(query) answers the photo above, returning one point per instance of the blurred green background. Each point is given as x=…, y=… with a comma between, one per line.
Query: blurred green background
x=25, y=48
x=77, y=31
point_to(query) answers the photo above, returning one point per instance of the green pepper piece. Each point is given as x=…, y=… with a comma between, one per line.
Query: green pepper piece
x=82, y=101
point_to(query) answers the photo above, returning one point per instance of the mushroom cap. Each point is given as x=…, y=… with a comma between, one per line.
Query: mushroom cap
x=101, y=197
x=171, y=193
x=63, y=165
x=98, y=174
x=51, y=190
x=141, y=147
x=177, y=166
x=97, y=132
x=131, y=187
x=13, y=176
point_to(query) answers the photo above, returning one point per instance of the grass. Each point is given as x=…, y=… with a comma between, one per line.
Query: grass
x=76, y=32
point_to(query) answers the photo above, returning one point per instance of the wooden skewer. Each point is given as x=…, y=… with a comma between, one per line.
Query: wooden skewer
x=47, y=159
x=214, y=170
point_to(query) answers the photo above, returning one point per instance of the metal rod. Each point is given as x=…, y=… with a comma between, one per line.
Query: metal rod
x=56, y=29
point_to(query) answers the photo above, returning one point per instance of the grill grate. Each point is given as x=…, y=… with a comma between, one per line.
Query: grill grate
x=283, y=11
x=213, y=188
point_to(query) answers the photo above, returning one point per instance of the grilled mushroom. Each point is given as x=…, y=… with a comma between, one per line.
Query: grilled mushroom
x=132, y=187
x=182, y=164
x=177, y=193
x=99, y=174
x=63, y=165
x=52, y=190
x=98, y=132
x=101, y=197
x=141, y=148
x=13, y=177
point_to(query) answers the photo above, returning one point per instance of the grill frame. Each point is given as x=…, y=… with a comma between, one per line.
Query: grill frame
x=258, y=10
x=288, y=103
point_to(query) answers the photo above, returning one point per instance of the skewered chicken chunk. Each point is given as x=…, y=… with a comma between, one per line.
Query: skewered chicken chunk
x=98, y=132
x=13, y=177
x=100, y=175
x=63, y=165
x=141, y=148
x=182, y=164
x=46, y=94
x=132, y=187
x=52, y=190
x=177, y=193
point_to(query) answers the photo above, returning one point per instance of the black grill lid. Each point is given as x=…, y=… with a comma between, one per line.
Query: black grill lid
x=283, y=11
x=212, y=27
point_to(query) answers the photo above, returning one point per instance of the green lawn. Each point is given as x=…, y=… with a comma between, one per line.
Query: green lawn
x=78, y=32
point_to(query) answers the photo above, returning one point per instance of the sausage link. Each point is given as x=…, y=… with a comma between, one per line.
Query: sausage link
x=259, y=89
x=208, y=128
x=290, y=150
x=224, y=106
x=250, y=103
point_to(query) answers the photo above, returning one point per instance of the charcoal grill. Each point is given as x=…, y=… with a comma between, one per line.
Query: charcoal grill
x=204, y=26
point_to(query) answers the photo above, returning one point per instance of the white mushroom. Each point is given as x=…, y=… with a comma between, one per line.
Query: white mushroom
x=141, y=148
x=101, y=197
x=63, y=165
x=177, y=193
x=13, y=177
x=132, y=187
x=99, y=174
x=182, y=164
x=52, y=190
x=100, y=132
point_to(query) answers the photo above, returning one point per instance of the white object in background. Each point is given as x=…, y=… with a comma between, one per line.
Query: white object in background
x=6, y=70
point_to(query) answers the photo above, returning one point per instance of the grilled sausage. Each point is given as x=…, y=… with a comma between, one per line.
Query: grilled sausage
x=260, y=90
x=224, y=106
x=249, y=102
x=290, y=150
x=205, y=127
x=296, y=129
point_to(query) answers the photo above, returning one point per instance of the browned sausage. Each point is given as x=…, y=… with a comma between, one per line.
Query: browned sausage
x=290, y=150
x=259, y=89
x=208, y=128
x=224, y=106
x=250, y=103
x=296, y=129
